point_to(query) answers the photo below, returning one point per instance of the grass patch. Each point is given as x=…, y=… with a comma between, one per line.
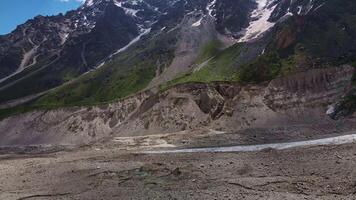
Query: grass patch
x=266, y=67
x=219, y=68
x=209, y=50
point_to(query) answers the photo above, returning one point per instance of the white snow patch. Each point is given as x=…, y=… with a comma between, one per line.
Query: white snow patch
x=102, y=63
x=309, y=6
x=319, y=7
x=128, y=11
x=210, y=7
x=300, y=9
x=64, y=37
x=263, y=51
x=89, y=2
x=173, y=29
x=289, y=13
x=261, y=24
x=330, y=110
x=198, y=23
x=145, y=32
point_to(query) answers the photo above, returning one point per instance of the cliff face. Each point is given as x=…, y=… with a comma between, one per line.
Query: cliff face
x=310, y=89
x=298, y=100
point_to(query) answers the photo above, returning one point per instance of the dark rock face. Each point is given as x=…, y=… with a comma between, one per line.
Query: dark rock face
x=112, y=31
x=233, y=15
x=12, y=58
x=299, y=7
x=211, y=103
x=345, y=107
x=27, y=37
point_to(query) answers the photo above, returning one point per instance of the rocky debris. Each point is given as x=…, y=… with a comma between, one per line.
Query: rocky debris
x=211, y=102
x=176, y=172
x=68, y=126
x=147, y=104
x=306, y=173
x=228, y=90
x=310, y=88
x=192, y=38
x=299, y=99
x=343, y=108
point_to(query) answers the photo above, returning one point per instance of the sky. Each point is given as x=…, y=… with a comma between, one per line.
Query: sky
x=16, y=12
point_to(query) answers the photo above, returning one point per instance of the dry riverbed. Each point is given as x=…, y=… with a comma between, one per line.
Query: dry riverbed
x=112, y=171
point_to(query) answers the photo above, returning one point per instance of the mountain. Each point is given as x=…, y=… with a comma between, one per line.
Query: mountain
x=45, y=52
x=154, y=99
x=211, y=56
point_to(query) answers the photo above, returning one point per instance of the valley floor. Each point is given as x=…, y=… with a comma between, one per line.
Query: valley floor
x=119, y=169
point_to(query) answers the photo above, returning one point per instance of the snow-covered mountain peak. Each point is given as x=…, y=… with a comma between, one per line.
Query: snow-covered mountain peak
x=90, y=3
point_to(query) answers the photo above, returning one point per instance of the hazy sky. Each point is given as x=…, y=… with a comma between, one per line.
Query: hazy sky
x=16, y=12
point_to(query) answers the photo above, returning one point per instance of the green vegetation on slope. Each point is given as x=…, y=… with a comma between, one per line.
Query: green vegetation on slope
x=219, y=68
x=98, y=87
x=208, y=50
x=126, y=74
x=266, y=67
x=225, y=66
x=21, y=84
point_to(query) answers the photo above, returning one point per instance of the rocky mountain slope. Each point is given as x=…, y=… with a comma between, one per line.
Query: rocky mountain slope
x=291, y=104
x=178, y=65
x=46, y=52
